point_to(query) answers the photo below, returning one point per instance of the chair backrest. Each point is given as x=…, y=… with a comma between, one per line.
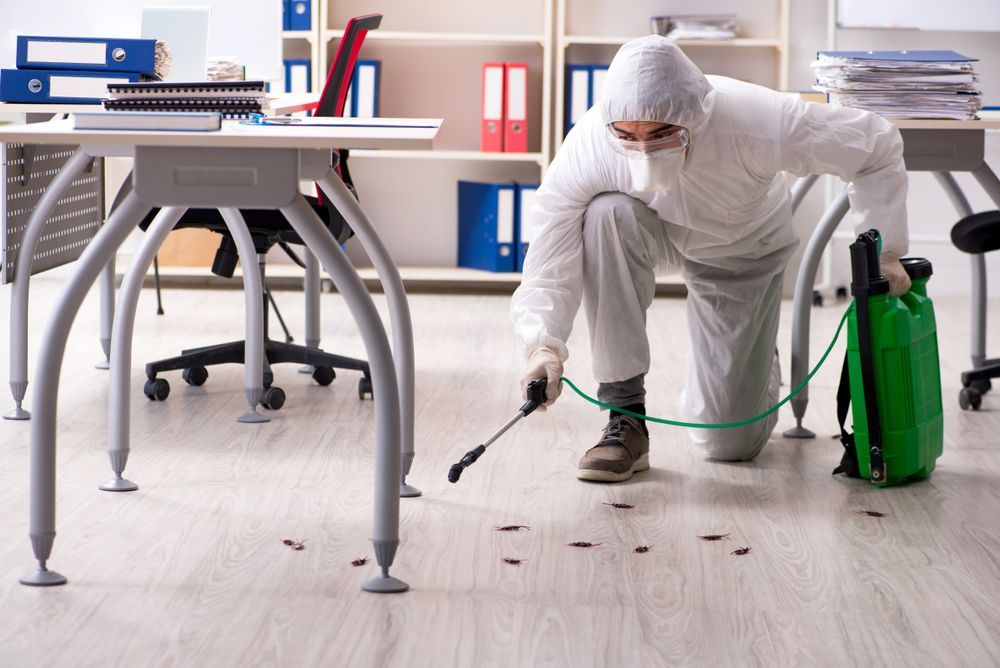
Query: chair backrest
x=338, y=79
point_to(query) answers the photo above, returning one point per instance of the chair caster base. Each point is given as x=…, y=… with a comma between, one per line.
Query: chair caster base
x=42, y=577
x=799, y=432
x=408, y=491
x=385, y=584
x=118, y=485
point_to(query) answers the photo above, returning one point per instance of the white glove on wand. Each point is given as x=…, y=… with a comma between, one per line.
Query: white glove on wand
x=544, y=363
x=890, y=267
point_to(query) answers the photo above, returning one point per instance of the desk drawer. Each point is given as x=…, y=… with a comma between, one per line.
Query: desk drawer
x=212, y=178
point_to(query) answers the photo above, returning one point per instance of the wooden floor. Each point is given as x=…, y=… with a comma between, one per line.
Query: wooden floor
x=191, y=571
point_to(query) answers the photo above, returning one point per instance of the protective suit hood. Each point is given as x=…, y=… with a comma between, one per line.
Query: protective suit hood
x=650, y=79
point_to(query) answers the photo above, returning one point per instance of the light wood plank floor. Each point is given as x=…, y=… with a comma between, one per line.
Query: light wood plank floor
x=190, y=570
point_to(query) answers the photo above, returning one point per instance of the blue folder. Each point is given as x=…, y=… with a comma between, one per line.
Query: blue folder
x=525, y=224
x=364, y=98
x=285, y=15
x=86, y=53
x=897, y=56
x=64, y=86
x=295, y=64
x=299, y=15
x=487, y=215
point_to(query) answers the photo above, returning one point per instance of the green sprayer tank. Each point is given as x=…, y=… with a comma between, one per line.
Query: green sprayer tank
x=895, y=376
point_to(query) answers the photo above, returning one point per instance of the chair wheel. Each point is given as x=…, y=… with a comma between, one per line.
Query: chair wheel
x=324, y=375
x=365, y=387
x=982, y=386
x=268, y=379
x=196, y=375
x=273, y=398
x=970, y=397
x=156, y=389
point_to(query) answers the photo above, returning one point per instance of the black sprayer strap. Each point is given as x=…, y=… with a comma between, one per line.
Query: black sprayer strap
x=865, y=271
x=849, y=460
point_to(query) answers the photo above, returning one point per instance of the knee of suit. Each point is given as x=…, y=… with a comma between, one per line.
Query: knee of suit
x=734, y=445
x=609, y=213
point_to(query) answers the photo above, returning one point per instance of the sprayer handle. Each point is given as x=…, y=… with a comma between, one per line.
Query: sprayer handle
x=535, y=395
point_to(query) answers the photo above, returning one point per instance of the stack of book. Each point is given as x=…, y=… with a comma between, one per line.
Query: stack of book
x=232, y=99
x=901, y=84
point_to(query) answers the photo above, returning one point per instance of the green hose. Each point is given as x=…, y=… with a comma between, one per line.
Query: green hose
x=726, y=425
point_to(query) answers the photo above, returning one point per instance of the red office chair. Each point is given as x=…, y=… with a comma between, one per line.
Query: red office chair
x=269, y=228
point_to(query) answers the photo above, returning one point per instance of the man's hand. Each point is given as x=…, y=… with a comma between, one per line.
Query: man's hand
x=544, y=363
x=899, y=281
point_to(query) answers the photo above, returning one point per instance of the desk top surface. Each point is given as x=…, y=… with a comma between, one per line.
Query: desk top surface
x=350, y=133
x=280, y=105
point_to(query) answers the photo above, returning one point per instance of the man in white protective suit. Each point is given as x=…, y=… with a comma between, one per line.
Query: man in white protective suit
x=675, y=168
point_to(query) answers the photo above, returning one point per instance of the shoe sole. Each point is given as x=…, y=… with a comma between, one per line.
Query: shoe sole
x=596, y=475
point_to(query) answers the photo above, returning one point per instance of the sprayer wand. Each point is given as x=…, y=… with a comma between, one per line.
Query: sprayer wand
x=536, y=397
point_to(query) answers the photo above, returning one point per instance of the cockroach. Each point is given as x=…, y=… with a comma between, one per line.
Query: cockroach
x=361, y=561
x=296, y=545
x=870, y=513
x=740, y=551
x=642, y=549
x=716, y=536
x=512, y=527
x=584, y=544
x=619, y=505
x=513, y=562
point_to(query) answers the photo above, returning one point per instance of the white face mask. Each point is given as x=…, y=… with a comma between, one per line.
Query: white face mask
x=655, y=172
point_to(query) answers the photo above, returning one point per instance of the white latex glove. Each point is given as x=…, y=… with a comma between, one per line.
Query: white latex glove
x=899, y=280
x=544, y=363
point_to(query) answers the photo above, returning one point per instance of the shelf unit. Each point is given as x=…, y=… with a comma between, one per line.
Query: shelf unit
x=565, y=40
x=461, y=36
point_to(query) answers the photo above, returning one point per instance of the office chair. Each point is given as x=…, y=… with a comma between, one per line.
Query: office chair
x=269, y=228
x=978, y=233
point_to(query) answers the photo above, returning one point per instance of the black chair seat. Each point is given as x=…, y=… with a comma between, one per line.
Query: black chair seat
x=978, y=233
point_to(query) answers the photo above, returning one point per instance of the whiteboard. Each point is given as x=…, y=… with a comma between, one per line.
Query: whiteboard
x=250, y=30
x=960, y=15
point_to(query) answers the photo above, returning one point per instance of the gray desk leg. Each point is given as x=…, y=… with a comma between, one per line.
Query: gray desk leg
x=387, y=433
x=42, y=517
x=803, y=304
x=119, y=399
x=399, y=314
x=311, y=285
x=253, y=291
x=107, y=295
x=991, y=184
x=801, y=188
x=22, y=278
x=977, y=345
x=107, y=286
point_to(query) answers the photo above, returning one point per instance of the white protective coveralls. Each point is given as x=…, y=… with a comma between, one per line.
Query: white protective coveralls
x=724, y=221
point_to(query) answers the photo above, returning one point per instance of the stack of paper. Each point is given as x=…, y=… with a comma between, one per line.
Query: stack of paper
x=696, y=26
x=901, y=84
x=224, y=68
x=232, y=99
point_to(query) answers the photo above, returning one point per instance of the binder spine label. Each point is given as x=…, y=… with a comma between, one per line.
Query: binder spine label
x=91, y=53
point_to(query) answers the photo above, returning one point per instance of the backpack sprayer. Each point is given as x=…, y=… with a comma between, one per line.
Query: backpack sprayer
x=891, y=379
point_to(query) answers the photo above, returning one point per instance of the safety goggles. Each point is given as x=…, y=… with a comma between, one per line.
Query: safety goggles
x=677, y=139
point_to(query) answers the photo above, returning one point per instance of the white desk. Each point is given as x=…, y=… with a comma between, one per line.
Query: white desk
x=18, y=372
x=937, y=146
x=239, y=166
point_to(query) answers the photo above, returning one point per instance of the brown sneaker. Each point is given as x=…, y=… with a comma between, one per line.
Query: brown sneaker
x=622, y=451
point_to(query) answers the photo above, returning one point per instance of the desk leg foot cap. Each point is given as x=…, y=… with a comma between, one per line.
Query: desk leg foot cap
x=385, y=584
x=799, y=432
x=42, y=577
x=253, y=417
x=103, y=364
x=308, y=368
x=118, y=485
x=408, y=491
x=17, y=414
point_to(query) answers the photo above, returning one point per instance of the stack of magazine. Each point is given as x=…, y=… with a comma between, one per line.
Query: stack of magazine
x=901, y=84
x=231, y=99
